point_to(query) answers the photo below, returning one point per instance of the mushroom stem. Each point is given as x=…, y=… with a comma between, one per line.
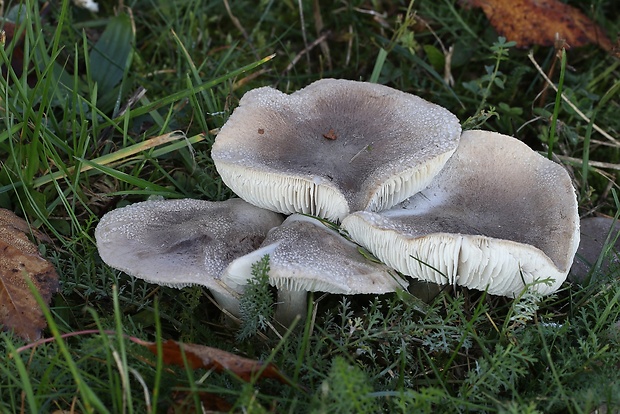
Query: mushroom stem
x=290, y=304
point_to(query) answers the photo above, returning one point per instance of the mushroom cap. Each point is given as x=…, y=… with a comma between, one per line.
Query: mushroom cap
x=182, y=242
x=333, y=147
x=497, y=216
x=305, y=255
x=594, y=231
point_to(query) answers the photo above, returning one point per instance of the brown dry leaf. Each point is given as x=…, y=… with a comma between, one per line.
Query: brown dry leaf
x=529, y=22
x=183, y=403
x=200, y=356
x=19, y=258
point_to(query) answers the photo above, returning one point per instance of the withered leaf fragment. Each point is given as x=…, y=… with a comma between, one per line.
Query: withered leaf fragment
x=536, y=22
x=200, y=356
x=183, y=403
x=20, y=259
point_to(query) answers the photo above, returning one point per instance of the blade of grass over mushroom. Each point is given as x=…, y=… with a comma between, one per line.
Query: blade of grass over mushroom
x=433, y=268
x=597, y=249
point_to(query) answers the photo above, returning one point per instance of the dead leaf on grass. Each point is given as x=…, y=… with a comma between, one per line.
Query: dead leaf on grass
x=529, y=22
x=20, y=259
x=200, y=356
x=183, y=403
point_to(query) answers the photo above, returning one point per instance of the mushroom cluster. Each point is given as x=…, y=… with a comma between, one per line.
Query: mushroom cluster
x=477, y=209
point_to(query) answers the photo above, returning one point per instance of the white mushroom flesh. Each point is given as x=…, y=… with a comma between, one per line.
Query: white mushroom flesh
x=333, y=147
x=498, y=216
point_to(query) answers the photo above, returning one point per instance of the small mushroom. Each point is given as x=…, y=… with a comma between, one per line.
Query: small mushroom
x=333, y=147
x=594, y=233
x=306, y=256
x=497, y=217
x=183, y=242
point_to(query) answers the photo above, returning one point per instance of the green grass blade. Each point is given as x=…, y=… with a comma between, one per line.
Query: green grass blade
x=129, y=179
x=556, y=108
x=112, y=52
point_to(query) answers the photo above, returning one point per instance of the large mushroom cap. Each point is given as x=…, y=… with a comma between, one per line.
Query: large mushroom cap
x=333, y=147
x=497, y=216
x=182, y=242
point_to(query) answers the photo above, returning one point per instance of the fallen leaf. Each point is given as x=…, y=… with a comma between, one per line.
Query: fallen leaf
x=183, y=403
x=16, y=53
x=529, y=22
x=200, y=356
x=20, y=259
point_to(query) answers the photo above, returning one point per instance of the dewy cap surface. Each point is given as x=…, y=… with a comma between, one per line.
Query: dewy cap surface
x=497, y=215
x=334, y=147
x=182, y=242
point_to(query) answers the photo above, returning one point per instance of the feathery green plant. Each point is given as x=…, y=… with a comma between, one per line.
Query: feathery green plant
x=257, y=306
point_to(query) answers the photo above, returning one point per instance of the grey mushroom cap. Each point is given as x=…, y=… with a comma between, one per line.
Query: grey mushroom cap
x=497, y=217
x=594, y=236
x=307, y=256
x=333, y=147
x=183, y=242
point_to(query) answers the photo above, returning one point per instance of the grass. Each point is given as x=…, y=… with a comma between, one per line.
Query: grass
x=116, y=107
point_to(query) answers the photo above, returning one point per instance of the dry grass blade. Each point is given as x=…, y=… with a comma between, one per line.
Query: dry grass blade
x=121, y=154
x=572, y=105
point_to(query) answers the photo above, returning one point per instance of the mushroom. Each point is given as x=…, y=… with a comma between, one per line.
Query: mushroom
x=183, y=242
x=594, y=239
x=498, y=217
x=333, y=147
x=305, y=255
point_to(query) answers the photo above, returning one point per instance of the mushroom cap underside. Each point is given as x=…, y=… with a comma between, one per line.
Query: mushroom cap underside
x=305, y=255
x=182, y=242
x=342, y=145
x=499, y=266
x=497, y=216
